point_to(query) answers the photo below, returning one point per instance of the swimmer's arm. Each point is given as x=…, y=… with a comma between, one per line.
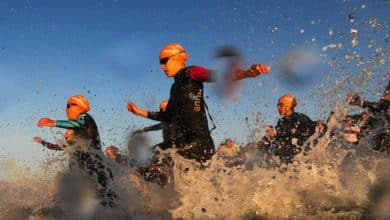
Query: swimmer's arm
x=158, y=116
x=154, y=116
x=205, y=75
x=51, y=146
x=374, y=106
x=253, y=71
x=153, y=127
x=70, y=124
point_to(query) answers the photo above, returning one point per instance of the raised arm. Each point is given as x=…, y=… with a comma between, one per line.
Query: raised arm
x=380, y=105
x=68, y=124
x=158, y=116
x=205, y=75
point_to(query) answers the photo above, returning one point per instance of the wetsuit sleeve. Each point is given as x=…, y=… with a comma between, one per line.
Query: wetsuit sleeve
x=71, y=124
x=153, y=127
x=51, y=146
x=158, y=116
x=201, y=74
x=376, y=106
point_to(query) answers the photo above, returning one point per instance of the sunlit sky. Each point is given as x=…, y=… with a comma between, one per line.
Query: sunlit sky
x=108, y=51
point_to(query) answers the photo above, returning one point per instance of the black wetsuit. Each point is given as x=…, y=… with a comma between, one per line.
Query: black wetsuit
x=168, y=133
x=291, y=133
x=186, y=111
x=90, y=159
x=376, y=107
x=52, y=146
x=379, y=126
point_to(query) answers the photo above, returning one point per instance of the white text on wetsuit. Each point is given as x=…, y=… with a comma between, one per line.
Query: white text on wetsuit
x=197, y=101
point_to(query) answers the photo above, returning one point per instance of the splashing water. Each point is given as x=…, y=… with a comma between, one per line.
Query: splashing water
x=331, y=181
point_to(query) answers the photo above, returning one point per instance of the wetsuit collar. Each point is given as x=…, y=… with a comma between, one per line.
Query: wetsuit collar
x=181, y=72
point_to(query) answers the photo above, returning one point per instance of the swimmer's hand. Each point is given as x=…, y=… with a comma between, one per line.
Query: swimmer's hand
x=46, y=122
x=37, y=140
x=257, y=69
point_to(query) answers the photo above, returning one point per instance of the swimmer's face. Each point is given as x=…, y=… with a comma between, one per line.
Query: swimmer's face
x=364, y=117
x=348, y=121
x=69, y=136
x=284, y=108
x=172, y=66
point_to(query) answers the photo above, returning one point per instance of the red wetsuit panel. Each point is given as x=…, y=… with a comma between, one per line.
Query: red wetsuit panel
x=199, y=73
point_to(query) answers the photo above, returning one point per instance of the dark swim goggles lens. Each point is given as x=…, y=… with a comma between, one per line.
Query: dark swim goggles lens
x=69, y=105
x=164, y=61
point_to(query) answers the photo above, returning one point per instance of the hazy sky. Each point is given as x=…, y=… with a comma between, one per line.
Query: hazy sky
x=108, y=51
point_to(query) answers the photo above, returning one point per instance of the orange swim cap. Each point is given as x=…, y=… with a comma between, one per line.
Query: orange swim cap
x=76, y=105
x=173, y=49
x=288, y=99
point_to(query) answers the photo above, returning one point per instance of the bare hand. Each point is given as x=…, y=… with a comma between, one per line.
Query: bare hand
x=133, y=108
x=37, y=139
x=257, y=69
